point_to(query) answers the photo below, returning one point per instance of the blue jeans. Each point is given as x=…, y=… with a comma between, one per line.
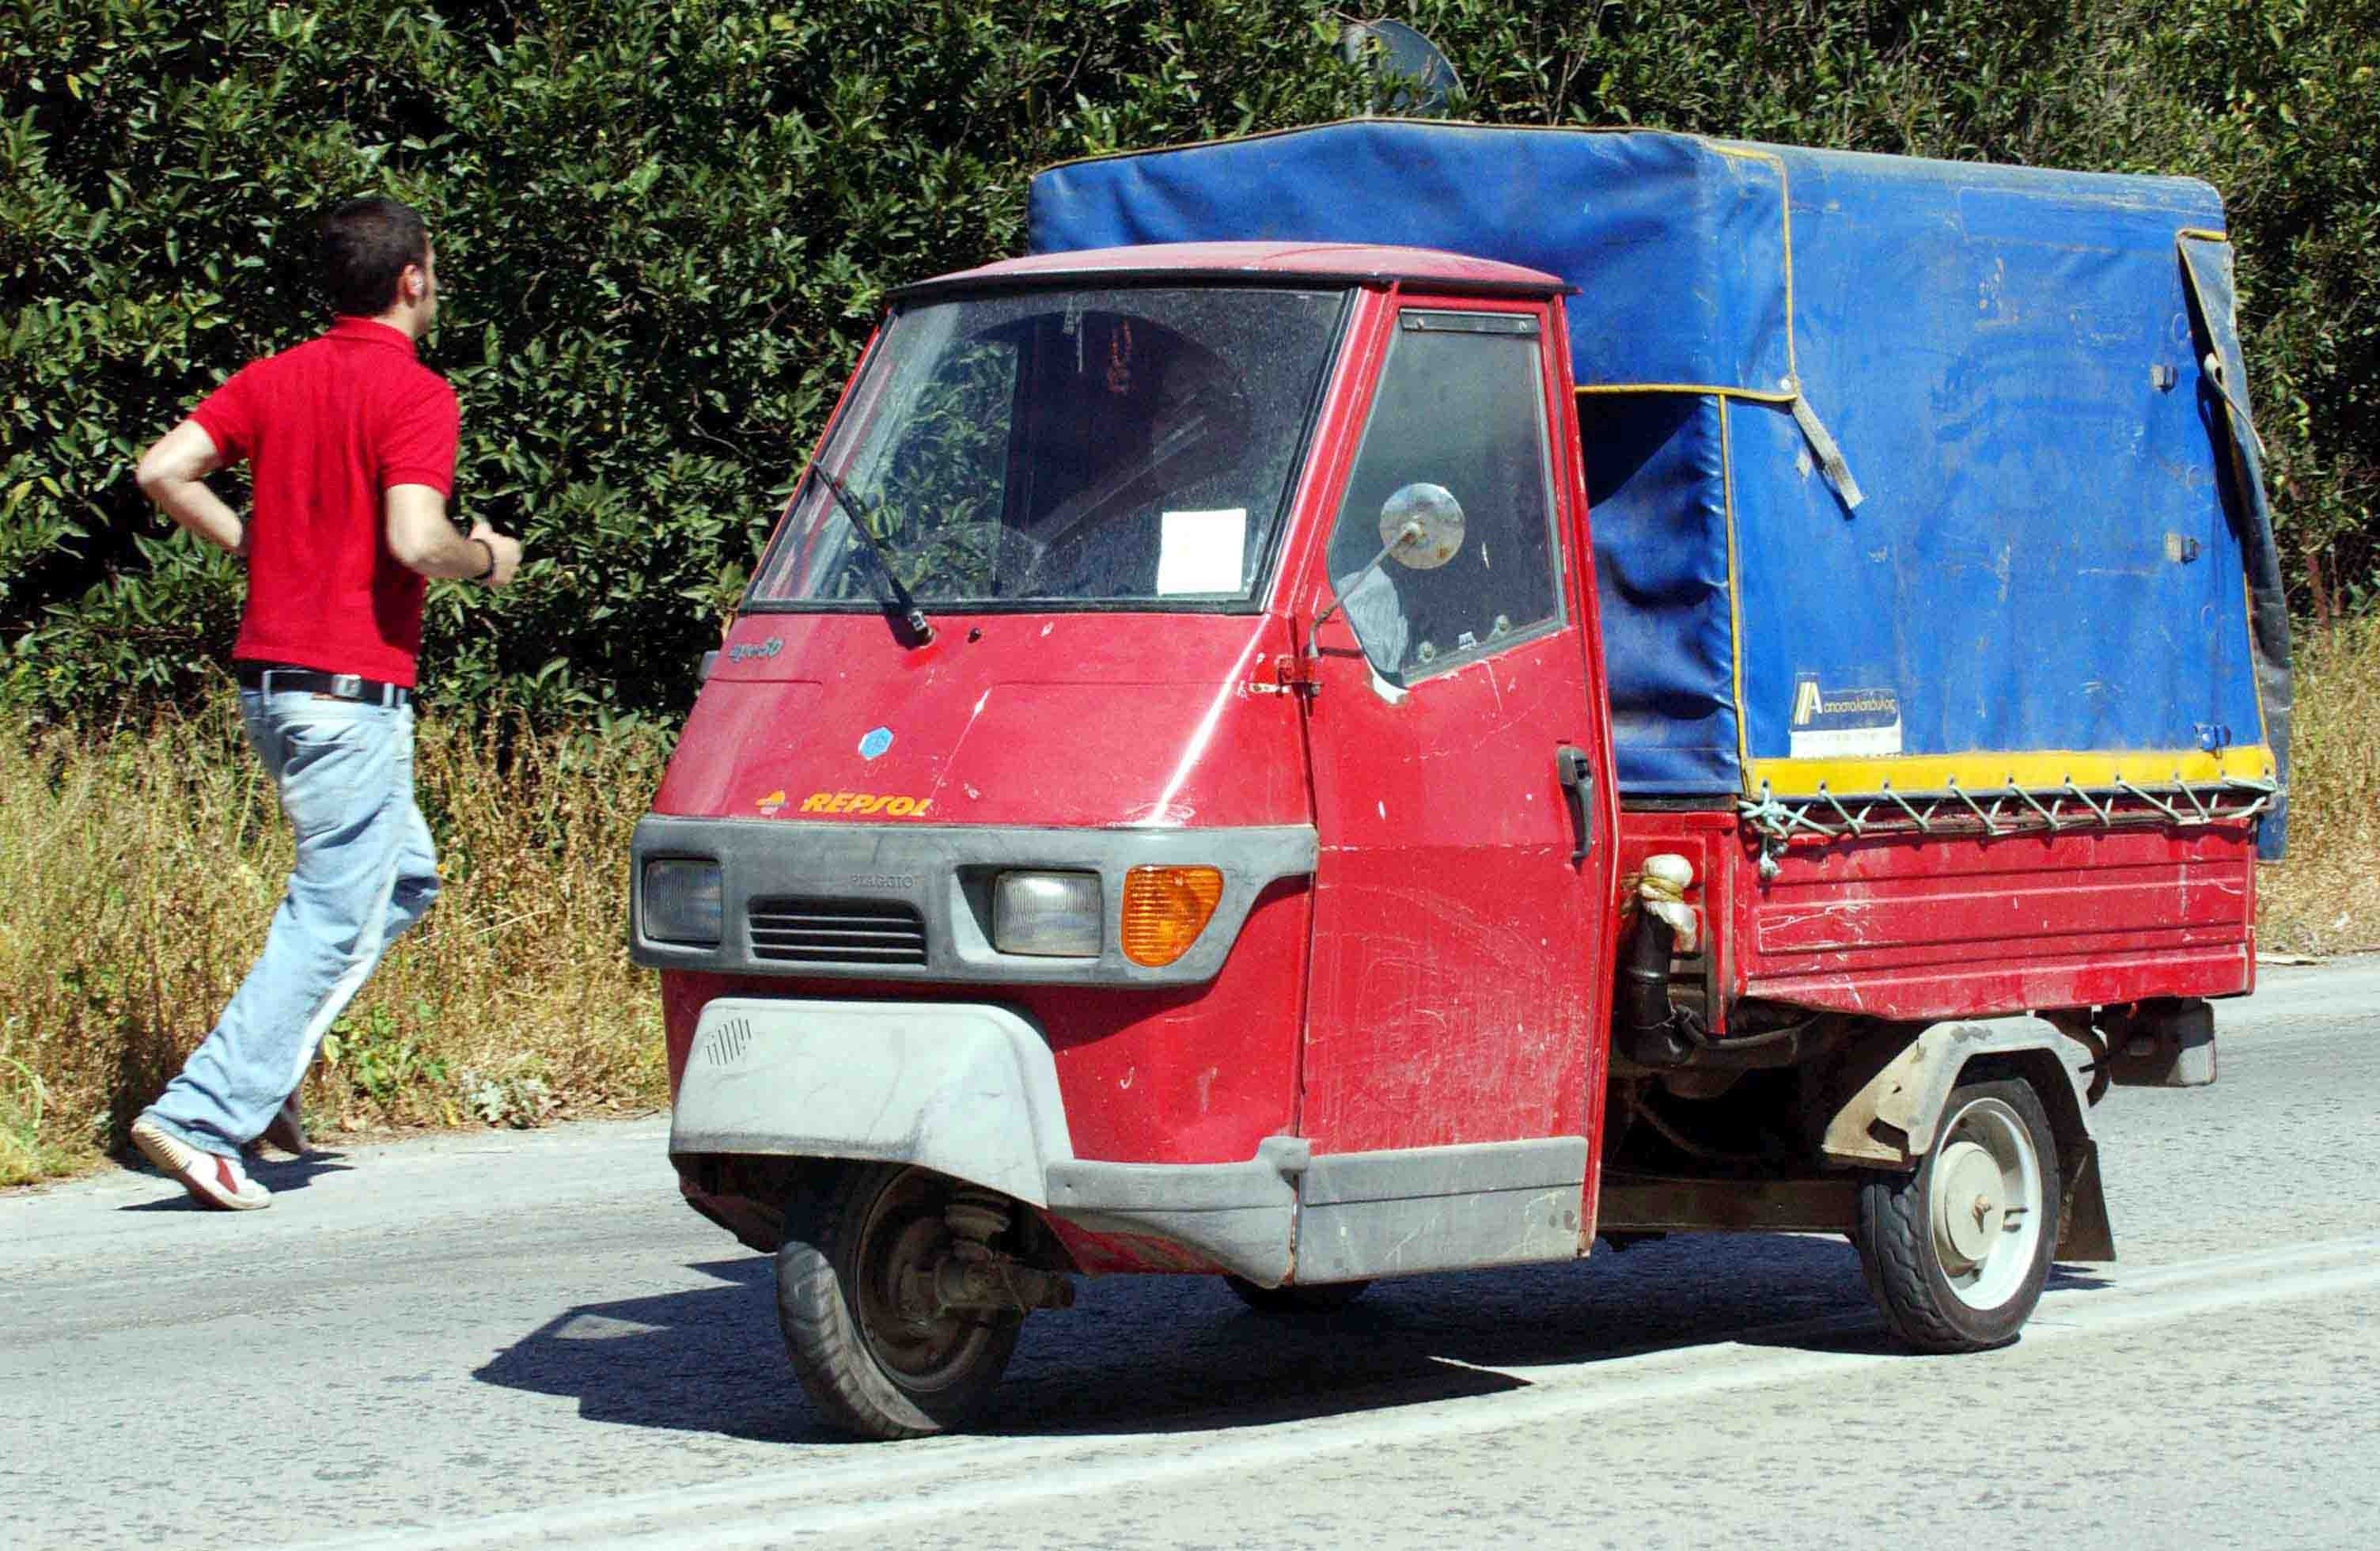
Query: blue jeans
x=365, y=871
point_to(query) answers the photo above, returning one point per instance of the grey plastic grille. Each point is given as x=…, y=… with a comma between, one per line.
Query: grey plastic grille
x=836, y=932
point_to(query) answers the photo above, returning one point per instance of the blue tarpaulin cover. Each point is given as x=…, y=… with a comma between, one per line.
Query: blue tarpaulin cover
x=2044, y=558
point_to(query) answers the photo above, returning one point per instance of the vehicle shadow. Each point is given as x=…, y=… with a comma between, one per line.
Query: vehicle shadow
x=1152, y=1354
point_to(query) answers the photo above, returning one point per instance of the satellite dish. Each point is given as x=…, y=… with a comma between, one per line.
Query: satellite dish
x=1418, y=77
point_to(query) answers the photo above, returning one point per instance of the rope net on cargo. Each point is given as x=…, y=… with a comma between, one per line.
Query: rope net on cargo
x=1994, y=812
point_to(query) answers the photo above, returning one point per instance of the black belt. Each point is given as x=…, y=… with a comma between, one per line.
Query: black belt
x=313, y=681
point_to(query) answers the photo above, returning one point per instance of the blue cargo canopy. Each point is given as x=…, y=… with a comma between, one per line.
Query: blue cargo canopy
x=1905, y=476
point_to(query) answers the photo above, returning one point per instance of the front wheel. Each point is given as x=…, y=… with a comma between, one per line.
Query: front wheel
x=1956, y=1252
x=876, y=1347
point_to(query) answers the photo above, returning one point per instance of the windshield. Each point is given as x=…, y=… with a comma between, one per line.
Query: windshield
x=1129, y=446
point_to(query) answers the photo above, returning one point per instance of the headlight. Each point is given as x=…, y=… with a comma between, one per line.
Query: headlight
x=1052, y=914
x=682, y=900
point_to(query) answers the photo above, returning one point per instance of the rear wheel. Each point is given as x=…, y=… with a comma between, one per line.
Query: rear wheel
x=875, y=1346
x=1316, y=1298
x=1956, y=1252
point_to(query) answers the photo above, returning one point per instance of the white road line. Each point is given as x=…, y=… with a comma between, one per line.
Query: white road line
x=878, y=1487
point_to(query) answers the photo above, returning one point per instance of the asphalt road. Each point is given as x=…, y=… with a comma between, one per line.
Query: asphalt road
x=501, y=1340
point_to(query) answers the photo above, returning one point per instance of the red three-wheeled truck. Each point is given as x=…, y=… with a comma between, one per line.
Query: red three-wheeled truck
x=1399, y=697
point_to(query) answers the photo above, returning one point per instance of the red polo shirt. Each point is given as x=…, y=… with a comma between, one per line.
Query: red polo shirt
x=329, y=425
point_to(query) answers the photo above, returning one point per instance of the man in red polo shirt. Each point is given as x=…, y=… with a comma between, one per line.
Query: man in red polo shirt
x=351, y=444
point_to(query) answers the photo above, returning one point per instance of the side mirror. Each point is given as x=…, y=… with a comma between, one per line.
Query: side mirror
x=1421, y=527
x=702, y=670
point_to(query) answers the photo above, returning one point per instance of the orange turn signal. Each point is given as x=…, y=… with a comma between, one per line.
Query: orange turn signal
x=1164, y=911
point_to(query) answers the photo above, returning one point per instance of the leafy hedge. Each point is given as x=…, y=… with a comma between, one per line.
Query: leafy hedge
x=664, y=227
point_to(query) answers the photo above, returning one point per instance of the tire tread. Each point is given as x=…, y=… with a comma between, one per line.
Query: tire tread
x=1894, y=1239
x=829, y=1353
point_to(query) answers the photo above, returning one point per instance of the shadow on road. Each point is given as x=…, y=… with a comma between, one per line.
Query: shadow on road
x=1150, y=1354
x=280, y=1178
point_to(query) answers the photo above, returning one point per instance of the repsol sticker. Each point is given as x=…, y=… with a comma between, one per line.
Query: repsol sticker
x=1836, y=723
x=855, y=803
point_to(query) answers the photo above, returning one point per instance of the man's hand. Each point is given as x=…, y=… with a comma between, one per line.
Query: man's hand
x=424, y=541
x=173, y=474
x=503, y=547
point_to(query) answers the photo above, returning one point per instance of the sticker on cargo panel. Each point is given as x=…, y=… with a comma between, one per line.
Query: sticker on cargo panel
x=1837, y=723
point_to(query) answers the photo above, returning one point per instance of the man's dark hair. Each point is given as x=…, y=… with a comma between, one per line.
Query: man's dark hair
x=366, y=245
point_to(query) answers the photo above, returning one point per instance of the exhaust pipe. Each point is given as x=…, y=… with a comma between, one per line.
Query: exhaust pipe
x=1656, y=1031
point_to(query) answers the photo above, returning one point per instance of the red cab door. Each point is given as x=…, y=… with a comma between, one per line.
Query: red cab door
x=1459, y=746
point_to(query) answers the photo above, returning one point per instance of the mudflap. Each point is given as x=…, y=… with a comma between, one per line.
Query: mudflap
x=2084, y=1232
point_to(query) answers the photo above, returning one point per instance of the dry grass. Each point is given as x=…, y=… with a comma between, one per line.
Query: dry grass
x=2325, y=898
x=142, y=869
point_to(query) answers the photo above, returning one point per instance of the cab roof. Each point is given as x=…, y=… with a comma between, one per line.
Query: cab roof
x=1339, y=262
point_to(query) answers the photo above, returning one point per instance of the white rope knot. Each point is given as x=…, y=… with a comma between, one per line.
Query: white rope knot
x=1661, y=890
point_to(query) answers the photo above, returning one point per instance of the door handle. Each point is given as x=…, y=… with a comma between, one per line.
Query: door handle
x=1577, y=778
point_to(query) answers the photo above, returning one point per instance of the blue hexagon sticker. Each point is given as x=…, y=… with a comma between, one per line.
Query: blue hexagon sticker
x=878, y=740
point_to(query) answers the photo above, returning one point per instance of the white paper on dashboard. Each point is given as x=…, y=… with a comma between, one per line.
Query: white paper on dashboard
x=1201, y=551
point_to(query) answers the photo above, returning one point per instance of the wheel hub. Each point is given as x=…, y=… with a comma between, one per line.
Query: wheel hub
x=902, y=1315
x=1970, y=1203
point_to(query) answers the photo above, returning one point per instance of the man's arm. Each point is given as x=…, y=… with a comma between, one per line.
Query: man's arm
x=424, y=541
x=173, y=474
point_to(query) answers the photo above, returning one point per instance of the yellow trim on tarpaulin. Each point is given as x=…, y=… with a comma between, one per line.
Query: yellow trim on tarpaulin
x=1785, y=215
x=1734, y=590
x=1788, y=395
x=1700, y=390
x=1981, y=775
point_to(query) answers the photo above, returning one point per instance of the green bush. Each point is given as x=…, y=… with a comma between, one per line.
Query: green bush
x=665, y=228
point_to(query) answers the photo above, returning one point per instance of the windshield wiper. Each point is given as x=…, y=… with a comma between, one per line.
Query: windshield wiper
x=914, y=616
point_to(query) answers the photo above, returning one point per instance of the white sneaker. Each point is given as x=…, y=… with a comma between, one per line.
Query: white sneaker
x=212, y=1178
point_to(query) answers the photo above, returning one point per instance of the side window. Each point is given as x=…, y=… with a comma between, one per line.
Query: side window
x=1460, y=404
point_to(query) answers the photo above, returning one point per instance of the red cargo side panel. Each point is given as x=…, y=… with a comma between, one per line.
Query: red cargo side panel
x=1949, y=926
x=1916, y=926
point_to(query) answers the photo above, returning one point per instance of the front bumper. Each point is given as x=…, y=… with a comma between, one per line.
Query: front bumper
x=943, y=872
